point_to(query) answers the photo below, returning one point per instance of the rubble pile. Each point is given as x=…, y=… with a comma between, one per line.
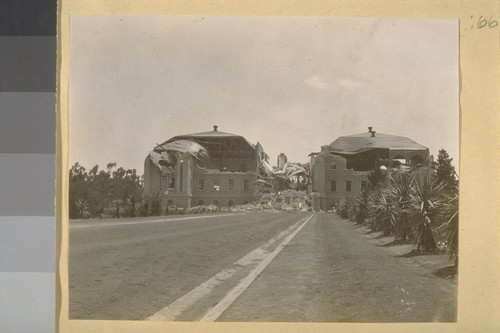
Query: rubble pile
x=287, y=201
x=289, y=175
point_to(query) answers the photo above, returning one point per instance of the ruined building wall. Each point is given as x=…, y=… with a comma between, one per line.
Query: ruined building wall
x=346, y=184
x=409, y=154
x=232, y=164
x=223, y=187
x=340, y=182
x=187, y=175
x=151, y=176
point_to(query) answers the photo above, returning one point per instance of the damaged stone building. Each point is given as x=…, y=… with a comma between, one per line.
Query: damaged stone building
x=207, y=168
x=340, y=171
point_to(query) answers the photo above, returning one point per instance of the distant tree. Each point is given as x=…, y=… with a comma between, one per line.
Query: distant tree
x=98, y=192
x=444, y=171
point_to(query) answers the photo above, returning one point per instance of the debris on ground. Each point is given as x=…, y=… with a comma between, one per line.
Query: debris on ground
x=286, y=201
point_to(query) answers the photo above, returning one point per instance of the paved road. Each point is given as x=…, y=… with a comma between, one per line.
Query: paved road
x=247, y=267
x=129, y=269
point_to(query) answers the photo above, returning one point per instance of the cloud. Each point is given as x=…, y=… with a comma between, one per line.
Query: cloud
x=349, y=83
x=318, y=82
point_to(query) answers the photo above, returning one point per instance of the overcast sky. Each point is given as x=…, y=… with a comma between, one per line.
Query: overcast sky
x=290, y=83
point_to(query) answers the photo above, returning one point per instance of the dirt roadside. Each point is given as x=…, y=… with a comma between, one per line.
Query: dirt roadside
x=334, y=271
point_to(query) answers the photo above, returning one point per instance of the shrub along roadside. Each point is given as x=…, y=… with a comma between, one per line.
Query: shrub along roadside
x=410, y=205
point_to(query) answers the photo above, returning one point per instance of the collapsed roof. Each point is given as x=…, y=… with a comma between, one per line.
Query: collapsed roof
x=212, y=149
x=362, y=142
x=218, y=144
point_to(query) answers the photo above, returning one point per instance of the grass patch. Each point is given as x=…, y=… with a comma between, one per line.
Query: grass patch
x=448, y=272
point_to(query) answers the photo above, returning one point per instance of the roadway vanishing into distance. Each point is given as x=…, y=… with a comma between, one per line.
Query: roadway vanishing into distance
x=259, y=266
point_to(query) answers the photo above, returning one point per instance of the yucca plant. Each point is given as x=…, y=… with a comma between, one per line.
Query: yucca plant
x=344, y=209
x=352, y=212
x=361, y=204
x=398, y=190
x=372, y=203
x=450, y=226
x=384, y=212
x=155, y=203
x=426, y=209
x=83, y=208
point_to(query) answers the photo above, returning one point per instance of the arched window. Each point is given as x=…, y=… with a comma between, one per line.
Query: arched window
x=230, y=203
x=200, y=203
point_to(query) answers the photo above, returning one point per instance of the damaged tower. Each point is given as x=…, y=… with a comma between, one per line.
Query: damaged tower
x=207, y=168
x=282, y=159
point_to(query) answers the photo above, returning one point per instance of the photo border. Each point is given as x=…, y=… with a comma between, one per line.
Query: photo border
x=478, y=286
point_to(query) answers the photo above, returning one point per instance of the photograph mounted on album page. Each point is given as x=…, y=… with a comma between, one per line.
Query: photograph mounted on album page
x=243, y=168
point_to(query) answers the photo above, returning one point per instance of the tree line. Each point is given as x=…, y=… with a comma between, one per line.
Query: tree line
x=111, y=193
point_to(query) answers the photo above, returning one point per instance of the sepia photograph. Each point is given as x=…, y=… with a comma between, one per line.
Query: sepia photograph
x=263, y=169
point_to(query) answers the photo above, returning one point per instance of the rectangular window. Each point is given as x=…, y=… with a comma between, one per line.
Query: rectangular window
x=246, y=185
x=201, y=184
x=363, y=185
x=230, y=185
x=333, y=166
x=216, y=185
x=163, y=182
x=348, y=186
x=171, y=183
x=333, y=185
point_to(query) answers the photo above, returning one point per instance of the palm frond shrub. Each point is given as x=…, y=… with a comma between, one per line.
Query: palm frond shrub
x=383, y=212
x=450, y=225
x=361, y=203
x=369, y=222
x=83, y=208
x=426, y=209
x=372, y=203
x=344, y=208
x=398, y=192
x=352, y=211
x=155, y=203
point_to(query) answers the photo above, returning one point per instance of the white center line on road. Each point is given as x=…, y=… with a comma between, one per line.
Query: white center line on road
x=215, y=312
x=149, y=221
x=172, y=311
